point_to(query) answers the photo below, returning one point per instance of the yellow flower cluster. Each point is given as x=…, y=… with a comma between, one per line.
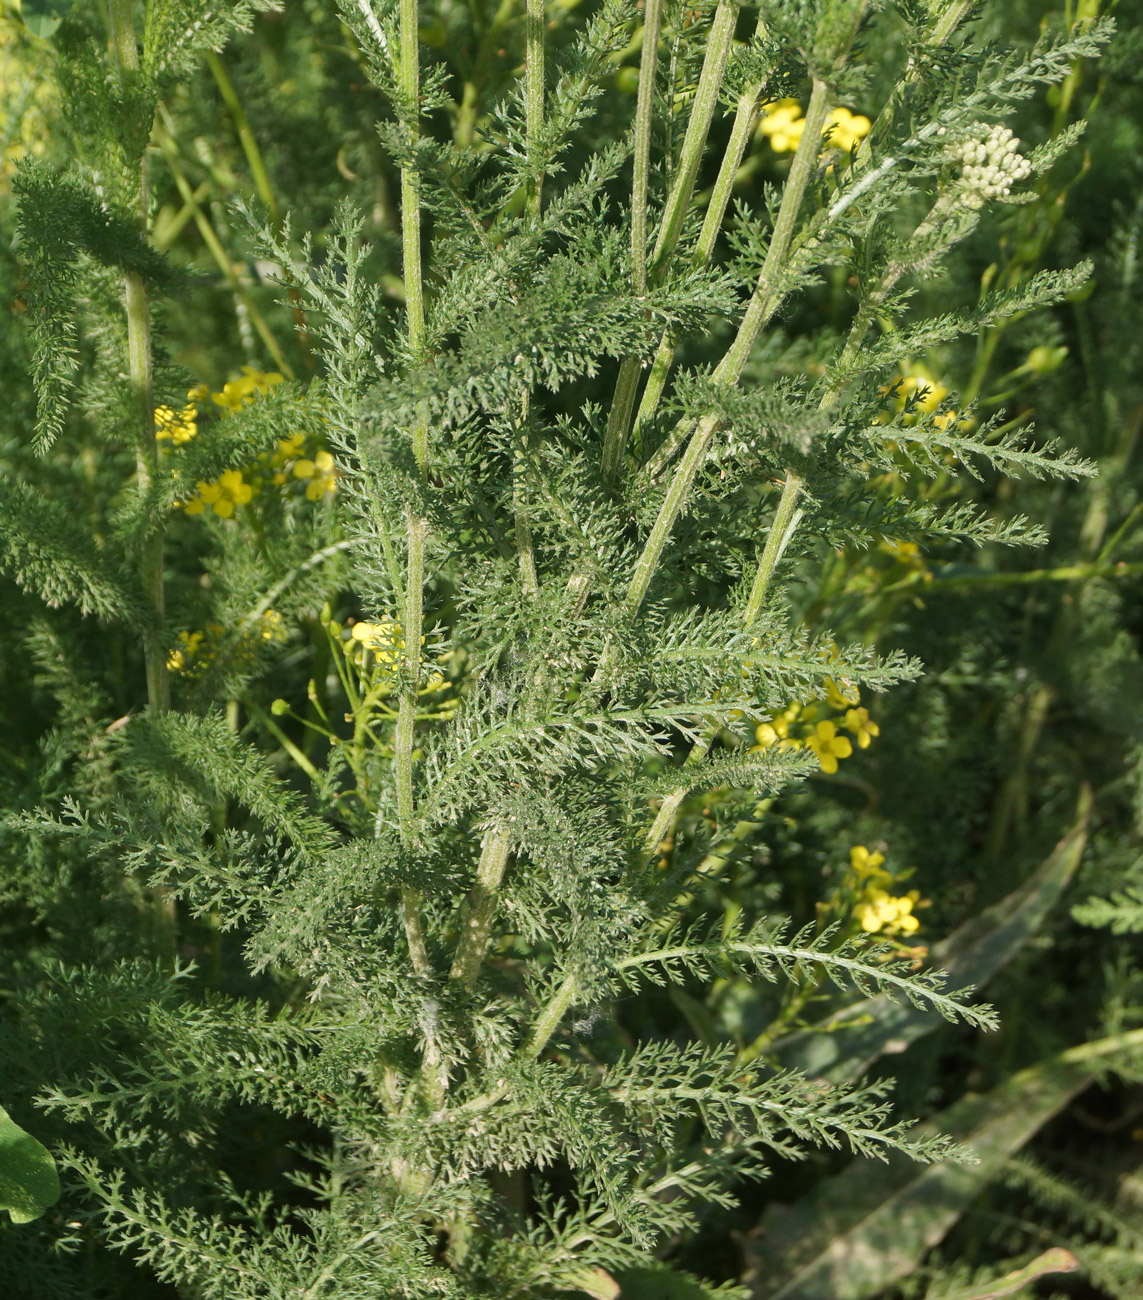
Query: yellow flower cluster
x=238, y=392
x=320, y=472
x=232, y=488
x=194, y=652
x=383, y=640
x=27, y=91
x=223, y=496
x=877, y=910
x=178, y=427
x=802, y=726
x=917, y=384
x=783, y=125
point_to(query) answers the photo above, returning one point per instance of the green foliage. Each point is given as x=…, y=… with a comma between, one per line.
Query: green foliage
x=422, y=757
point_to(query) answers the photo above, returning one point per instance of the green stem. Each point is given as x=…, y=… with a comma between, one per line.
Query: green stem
x=214, y=246
x=258, y=171
x=140, y=363
x=673, y=502
x=718, y=46
x=534, y=101
x=416, y=527
x=534, y=123
x=740, y=133
x=550, y=1017
x=763, y=303
x=786, y=519
x=245, y=136
x=624, y=399
x=767, y=294
x=480, y=909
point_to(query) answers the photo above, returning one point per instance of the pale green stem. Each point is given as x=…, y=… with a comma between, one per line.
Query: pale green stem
x=644, y=114
x=416, y=528
x=786, y=519
x=762, y=305
x=534, y=124
x=214, y=245
x=767, y=293
x=665, y=817
x=673, y=502
x=258, y=171
x=550, y=1018
x=139, y=359
x=245, y=136
x=140, y=367
x=740, y=133
x=480, y=908
x=534, y=99
x=624, y=399
x=718, y=45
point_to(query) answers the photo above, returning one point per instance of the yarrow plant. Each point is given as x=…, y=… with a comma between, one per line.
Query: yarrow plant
x=553, y=450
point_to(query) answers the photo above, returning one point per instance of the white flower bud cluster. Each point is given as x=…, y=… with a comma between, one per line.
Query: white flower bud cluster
x=991, y=163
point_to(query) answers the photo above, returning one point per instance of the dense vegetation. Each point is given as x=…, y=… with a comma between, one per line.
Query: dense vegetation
x=572, y=714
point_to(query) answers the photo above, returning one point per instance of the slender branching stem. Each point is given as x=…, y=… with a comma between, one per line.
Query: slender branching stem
x=533, y=202
x=768, y=291
x=745, y=116
x=534, y=102
x=718, y=45
x=210, y=238
x=260, y=176
x=623, y=402
x=550, y=1017
x=786, y=519
x=480, y=908
x=416, y=528
x=766, y=296
x=140, y=364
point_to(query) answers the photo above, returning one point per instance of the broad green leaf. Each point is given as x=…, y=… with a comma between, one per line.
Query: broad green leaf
x=662, y=1283
x=43, y=17
x=970, y=955
x=28, y=1179
x=1056, y=1260
x=870, y=1226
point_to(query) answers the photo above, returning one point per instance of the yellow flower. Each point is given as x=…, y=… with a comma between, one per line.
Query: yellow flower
x=384, y=639
x=178, y=427
x=237, y=392
x=271, y=626
x=321, y=473
x=864, y=863
x=882, y=911
x=828, y=746
x=846, y=129
x=777, y=730
x=287, y=449
x=861, y=726
x=222, y=496
x=841, y=695
x=782, y=123
x=189, y=645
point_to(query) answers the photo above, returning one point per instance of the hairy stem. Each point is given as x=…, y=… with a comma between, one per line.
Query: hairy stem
x=718, y=45
x=533, y=201
x=480, y=908
x=624, y=399
x=140, y=363
x=550, y=1017
x=745, y=116
x=416, y=528
x=763, y=303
